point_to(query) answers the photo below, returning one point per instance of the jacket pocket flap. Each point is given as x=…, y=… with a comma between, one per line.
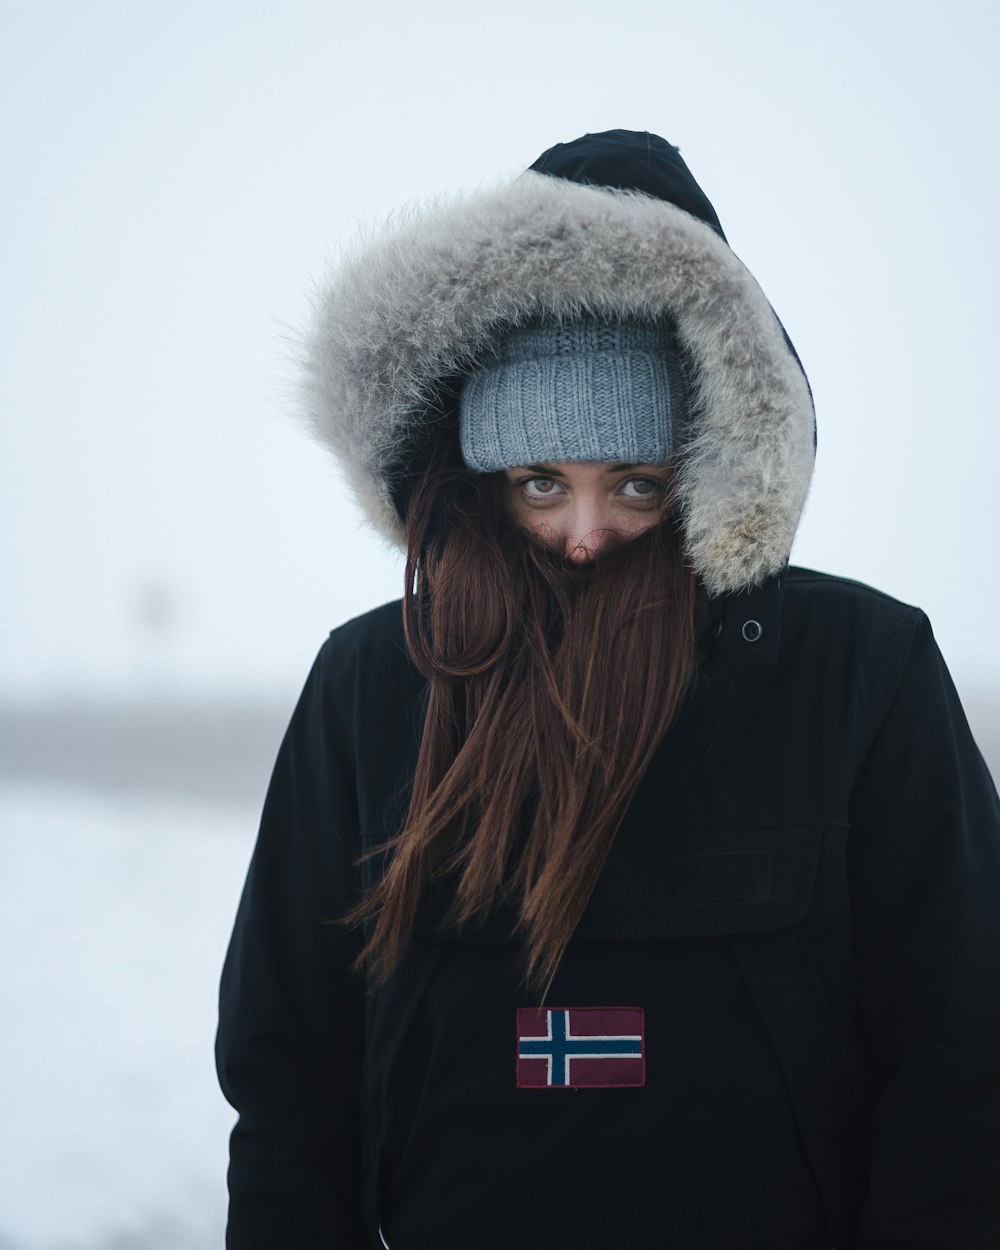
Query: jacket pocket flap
x=667, y=883
x=703, y=883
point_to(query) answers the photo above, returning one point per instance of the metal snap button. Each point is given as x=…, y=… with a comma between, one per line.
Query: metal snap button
x=752, y=631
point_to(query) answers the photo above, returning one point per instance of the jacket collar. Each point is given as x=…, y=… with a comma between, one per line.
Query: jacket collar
x=746, y=625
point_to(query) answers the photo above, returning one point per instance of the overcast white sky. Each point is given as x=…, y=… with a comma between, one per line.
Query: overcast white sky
x=176, y=175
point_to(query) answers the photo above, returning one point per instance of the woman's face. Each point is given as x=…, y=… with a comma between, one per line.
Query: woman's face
x=583, y=507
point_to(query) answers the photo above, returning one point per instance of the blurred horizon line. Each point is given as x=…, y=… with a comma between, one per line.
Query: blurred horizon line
x=211, y=748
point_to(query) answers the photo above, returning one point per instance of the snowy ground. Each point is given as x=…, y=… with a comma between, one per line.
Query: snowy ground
x=114, y=915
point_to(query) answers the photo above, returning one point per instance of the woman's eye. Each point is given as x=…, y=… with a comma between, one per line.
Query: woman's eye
x=640, y=488
x=540, y=486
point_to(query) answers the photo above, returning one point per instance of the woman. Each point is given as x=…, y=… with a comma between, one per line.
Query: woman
x=628, y=887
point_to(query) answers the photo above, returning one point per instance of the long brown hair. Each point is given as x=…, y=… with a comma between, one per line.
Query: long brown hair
x=551, y=684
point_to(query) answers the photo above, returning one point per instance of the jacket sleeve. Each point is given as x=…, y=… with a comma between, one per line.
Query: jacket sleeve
x=290, y=1036
x=926, y=896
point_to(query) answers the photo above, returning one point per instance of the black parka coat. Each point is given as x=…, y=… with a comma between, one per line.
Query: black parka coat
x=801, y=910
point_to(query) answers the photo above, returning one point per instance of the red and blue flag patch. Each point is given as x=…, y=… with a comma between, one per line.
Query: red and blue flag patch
x=580, y=1047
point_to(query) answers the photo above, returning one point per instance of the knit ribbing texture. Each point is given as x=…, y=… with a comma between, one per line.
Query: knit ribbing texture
x=582, y=390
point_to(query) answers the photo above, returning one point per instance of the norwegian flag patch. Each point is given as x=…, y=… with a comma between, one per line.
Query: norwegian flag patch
x=580, y=1047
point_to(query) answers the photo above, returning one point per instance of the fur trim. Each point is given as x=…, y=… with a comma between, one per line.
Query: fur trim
x=423, y=299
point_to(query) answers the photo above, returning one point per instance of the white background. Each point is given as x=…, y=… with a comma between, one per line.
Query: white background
x=177, y=175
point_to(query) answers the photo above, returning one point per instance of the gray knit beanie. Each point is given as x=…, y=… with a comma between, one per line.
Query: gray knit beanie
x=582, y=390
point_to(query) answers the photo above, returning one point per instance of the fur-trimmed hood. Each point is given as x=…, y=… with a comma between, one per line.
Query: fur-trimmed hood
x=594, y=228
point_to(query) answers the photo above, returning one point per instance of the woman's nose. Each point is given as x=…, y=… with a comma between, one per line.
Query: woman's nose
x=587, y=535
x=580, y=550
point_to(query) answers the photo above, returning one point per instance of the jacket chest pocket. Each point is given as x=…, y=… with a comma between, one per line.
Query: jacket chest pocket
x=753, y=889
x=750, y=889
x=663, y=883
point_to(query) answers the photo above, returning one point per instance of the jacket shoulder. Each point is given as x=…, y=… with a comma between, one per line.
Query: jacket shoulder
x=859, y=636
x=368, y=662
x=831, y=607
x=366, y=640
x=817, y=587
x=381, y=627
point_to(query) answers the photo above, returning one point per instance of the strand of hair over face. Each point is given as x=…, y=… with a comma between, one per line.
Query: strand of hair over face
x=551, y=685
